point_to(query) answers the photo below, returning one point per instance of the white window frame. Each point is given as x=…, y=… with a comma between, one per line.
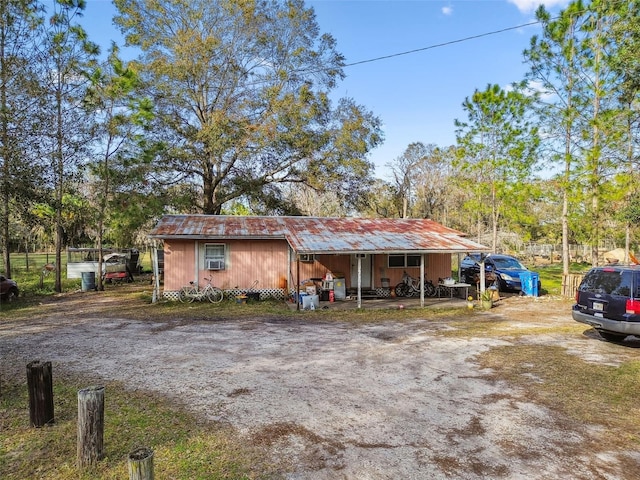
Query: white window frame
x=213, y=256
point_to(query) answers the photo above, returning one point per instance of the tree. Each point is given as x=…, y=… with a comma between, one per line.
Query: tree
x=553, y=58
x=498, y=145
x=120, y=123
x=242, y=97
x=67, y=58
x=420, y=180
x=18, y=112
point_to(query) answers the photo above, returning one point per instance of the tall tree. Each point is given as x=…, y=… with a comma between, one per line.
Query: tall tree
x=121, y=118
x=18, y=112
x=497, y=145
x=67, y=57
x=241, y=90
x=625, y=62
x=553, y=59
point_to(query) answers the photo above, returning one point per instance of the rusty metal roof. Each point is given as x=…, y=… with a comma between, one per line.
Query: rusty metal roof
x=322, y=234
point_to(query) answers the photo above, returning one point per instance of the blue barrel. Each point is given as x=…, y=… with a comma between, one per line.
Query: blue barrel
x=88, y=281
x=529, y=282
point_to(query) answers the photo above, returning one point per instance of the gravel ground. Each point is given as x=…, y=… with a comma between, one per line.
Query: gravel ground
x=333, y=400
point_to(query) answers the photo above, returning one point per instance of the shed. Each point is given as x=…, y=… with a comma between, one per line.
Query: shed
x=275, y=255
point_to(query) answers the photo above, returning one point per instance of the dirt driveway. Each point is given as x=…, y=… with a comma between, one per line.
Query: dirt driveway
x=335, y=400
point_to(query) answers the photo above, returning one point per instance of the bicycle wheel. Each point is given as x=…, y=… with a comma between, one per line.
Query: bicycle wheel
x=401, y=290
x=429, y=289
x=187, y=295
x=215, y=295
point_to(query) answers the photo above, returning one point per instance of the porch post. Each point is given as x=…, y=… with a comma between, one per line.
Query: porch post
x=359, y=281
x=197, y=261
x=422, y=280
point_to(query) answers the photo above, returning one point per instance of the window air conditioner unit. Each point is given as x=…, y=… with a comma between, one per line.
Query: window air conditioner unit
x=307, y=257
x=215, y=265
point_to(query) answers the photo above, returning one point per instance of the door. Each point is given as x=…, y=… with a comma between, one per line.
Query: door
x=365, y=266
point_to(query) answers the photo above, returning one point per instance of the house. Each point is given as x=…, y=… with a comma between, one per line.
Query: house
x=274, y=255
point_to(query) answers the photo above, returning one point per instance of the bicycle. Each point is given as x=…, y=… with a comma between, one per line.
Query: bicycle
x=409, y=287
x=191, y=292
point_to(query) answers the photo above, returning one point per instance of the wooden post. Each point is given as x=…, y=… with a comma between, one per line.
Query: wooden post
x=570, y=284
x=141, y=464
x=40, y=385
x=90, y=425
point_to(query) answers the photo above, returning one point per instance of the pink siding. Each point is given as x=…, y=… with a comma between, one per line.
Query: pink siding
x=267, y=262
x=179, y=263
x=436, y=265
x=336, y=264
x=262, y=260
x=247, y=261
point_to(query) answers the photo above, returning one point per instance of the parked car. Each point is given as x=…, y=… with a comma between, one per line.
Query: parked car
x=608, y=299
x=8, y=289
x=503, y=271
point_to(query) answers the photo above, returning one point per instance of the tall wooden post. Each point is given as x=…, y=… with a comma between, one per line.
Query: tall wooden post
x=40, y=385
x=90, y=425
x=141, y=464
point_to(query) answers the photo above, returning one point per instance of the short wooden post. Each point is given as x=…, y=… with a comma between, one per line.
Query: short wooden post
x=40, y=385
x=141, y=464
x=90, y=425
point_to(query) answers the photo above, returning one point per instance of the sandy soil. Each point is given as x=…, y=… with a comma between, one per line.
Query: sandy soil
x=332, y=400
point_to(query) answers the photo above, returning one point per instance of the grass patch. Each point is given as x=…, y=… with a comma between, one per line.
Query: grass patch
x=586, y=392
x=183, y=447
x=482, y=326
x=551, y=276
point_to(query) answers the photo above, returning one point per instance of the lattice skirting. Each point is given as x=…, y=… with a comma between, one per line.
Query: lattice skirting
x=267, y=293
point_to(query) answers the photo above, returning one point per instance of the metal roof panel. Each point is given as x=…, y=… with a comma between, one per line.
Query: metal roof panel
x=323, y=234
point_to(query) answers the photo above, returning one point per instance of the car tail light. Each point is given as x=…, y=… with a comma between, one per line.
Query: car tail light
x=633, y=306
x=577, y=295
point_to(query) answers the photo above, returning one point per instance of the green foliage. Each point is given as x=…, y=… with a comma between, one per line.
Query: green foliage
x=242, y=96
x=498, y=145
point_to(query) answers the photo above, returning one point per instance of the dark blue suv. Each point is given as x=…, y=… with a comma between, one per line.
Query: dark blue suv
x=608, y=299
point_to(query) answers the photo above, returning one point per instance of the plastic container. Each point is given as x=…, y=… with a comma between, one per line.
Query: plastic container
x=88, y=281
x=529, y=283
x=310, y=302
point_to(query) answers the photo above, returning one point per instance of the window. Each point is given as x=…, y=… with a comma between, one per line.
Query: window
x=214, y=256
x=307, y=257
x=404, y=261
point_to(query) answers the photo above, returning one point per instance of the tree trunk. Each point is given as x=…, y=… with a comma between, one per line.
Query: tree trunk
x=90, y=426
x=40, y=385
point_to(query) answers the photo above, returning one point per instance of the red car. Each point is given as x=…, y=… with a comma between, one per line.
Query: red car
x=8, y=289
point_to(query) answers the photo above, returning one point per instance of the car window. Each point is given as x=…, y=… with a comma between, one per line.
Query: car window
x=507, y=262
x=610, y=282
x=637, y=284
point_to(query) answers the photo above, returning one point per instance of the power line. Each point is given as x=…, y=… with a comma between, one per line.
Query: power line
x=444, y=44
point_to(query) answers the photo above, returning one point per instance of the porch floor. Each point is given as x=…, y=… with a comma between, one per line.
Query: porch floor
x=389, y=303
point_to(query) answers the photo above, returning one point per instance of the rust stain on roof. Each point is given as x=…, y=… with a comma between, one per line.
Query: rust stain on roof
x=322, y=234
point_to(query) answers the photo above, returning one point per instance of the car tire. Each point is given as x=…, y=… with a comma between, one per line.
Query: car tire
x=612, y=337
x=12, y=295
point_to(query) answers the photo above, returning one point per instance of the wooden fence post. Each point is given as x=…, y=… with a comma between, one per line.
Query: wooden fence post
x=570, y=284
x=141, y=464
x=90, y=425
x=40, y=385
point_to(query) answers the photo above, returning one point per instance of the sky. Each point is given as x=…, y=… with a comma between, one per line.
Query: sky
x=418, y=96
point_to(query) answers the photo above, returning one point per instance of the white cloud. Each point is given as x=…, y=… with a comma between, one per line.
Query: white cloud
x=528, y=6
x=447, y=10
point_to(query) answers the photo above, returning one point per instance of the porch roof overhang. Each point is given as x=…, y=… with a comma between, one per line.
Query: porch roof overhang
x=323, y=235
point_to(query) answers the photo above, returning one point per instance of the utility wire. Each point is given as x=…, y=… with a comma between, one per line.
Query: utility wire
x=444, y=44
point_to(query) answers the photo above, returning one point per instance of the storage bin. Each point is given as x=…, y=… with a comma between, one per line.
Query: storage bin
x=529, y=283
x=309, y=300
